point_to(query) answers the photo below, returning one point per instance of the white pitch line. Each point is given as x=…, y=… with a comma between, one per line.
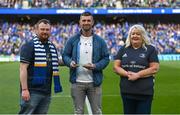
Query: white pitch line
x=88, y=106
x=67, y=96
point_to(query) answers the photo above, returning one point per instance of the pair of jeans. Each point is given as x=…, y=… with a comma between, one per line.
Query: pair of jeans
x=80, y=90
x=137, y=106
x=37, y=104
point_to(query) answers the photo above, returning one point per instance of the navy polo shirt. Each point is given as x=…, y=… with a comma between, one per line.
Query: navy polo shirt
x=136, y=60
x=27, y=56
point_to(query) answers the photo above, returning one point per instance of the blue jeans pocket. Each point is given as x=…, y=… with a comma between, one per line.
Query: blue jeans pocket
x=26, y=108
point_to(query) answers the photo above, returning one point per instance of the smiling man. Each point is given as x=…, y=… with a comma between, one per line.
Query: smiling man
x=87, y=55
x=38, y=64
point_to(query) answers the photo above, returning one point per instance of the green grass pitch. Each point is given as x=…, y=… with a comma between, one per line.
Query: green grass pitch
x=166, y=98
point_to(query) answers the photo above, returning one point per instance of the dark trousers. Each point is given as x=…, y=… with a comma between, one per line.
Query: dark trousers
x=137, y=106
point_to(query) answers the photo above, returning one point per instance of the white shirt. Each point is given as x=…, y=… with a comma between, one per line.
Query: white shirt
x=86, y=50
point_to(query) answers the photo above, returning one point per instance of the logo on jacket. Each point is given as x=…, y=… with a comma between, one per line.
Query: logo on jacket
x=132, y=62
x=142, y=55
x=125, y=55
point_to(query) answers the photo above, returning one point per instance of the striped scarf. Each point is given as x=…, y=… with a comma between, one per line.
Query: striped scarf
x=40, y=65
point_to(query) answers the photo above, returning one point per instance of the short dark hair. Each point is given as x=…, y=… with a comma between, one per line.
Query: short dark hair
x=45, y=21
x=86, y=14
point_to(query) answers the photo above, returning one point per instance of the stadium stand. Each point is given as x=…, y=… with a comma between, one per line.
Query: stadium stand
x=89, y=3
x=165, y=36
x=163, y=29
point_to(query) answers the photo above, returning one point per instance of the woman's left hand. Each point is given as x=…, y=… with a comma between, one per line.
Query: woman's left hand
x=132, y=76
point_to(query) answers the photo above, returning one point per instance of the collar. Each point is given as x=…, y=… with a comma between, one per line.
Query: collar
x=92, y=33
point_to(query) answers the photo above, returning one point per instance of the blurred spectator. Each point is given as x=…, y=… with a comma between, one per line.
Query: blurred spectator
x=166, y=37
x=88, y=3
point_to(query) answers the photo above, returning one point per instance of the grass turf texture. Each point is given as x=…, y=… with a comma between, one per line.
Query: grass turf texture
x=166, y=98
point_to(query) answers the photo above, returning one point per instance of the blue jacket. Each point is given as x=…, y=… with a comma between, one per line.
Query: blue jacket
x=100, y=57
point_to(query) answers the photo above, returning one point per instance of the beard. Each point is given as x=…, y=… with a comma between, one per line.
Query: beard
x=87, y=28
x=44, y=37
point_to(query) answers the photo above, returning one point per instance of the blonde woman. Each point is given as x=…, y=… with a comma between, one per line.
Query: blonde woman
x=136, y=63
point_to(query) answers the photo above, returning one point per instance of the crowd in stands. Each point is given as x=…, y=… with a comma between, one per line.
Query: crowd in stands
x=88, y=3
x=165, y=37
